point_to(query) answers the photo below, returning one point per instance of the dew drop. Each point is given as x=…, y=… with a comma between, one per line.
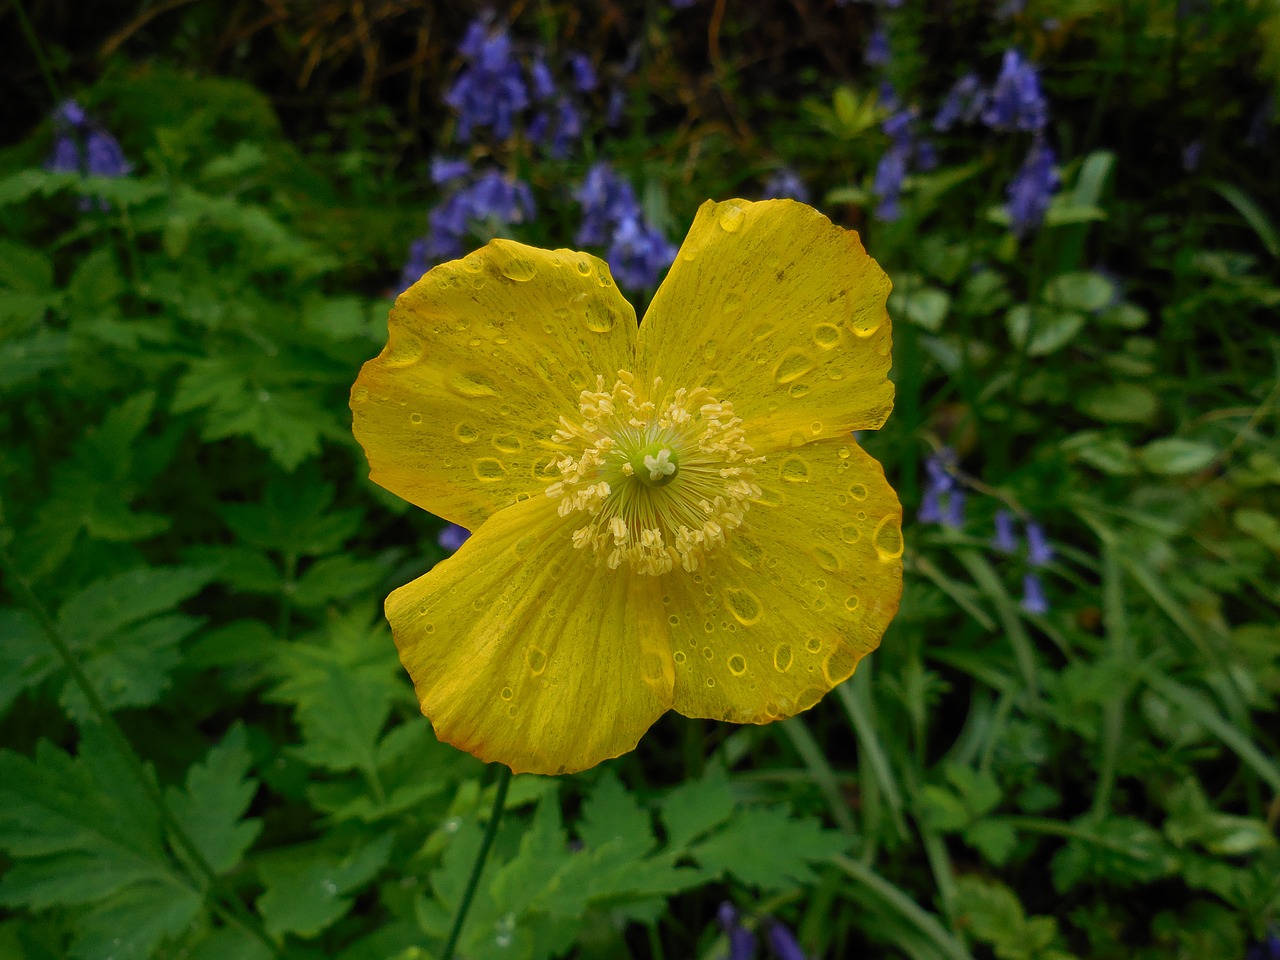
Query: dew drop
x=711, y=681
x=731, y=218
x=360, y=395
x=465, y=433
x=845, y=453
x=827, y=560
x=488, y=470
x=473, y=386
x=537, y=661
x=858, y=492
x=771, y=709
x=826, y=335
x=782, y=658
x=733, y=303
x=518, y=268
x=603, y=278
x=601, y=318
x=507, y=693
x=850, y=533
x=673, y=619
x=813, y=645
x=793, y=365
x=851, y=603
x=887, y=538
x=707, y=653
x=794, y=470
x=744, y=605
x=808, y=697
x=798, y=390
x=415, y=418
x=815, y=427
x=737, y=665
x=679, y=656
x=508, y=443
x=838, y=667
x=403, y=350
x=584, y=267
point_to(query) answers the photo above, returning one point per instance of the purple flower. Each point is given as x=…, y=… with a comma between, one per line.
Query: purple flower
x=614, y=108
x=493, y=201
x=584, y=75
x=452, y=537
x=490, y=91
x=785, y=183
x=1032, y=189
x=444, y=169
x=783, y=943
x=891, y=171
x=638, y=255
x=937, y=466
x=1039, y=552
x=66, y=157
x=417, y=264
x=1191, y=155
x=1268, y=949
x=606, y=200
x=682, y=4
x=879, y=53
x=70, y=113
x=1016, y=102
x=1033, y=598
x=954, y=516
x=540, y=79
x=559, y=129
x=964, y=103
x=742, y=942
x=105, y=158
x=1006, y=538
x=930, y=506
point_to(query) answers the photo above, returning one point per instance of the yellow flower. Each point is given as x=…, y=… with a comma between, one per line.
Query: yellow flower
x=666, y=516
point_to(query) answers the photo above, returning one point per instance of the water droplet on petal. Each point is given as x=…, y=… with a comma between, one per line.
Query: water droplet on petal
x=782, y=658
x=507, y=693
x=887, y=538
x=794, y=470
x=737, y=665
x=465, y=433
x=536, y=659
x=473, y=386
x=415, y=418
x=403, y=349
x=731, y=217
x=827, y=560
x=838, y=667
x=601, y=318
x=850, y=533
x=858, y=492
x=813, y=645
x=508, y=443
x=517, y=267
x=584, y=266
x=793, y=365
x=360, y=395
x=851, y=603
x=826, y=335
x=679, y=656
x=488, y=470
x=744, y=605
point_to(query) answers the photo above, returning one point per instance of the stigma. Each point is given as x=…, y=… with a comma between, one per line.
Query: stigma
x=662, y=477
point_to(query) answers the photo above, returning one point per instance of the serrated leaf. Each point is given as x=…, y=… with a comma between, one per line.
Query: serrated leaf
x=1120, y=851
x=611, y=815
x=216, y=795
x=26, y=655
x=335, y=578
x=308, y=889
x=131, y=924
x=696, y=806
x=1173, y=456
x=767, y=848
x=295, y=516
x=113, y=602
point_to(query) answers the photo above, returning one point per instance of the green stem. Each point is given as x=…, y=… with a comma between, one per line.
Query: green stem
x=50, y=629
x=490, y=831
x=33, y=42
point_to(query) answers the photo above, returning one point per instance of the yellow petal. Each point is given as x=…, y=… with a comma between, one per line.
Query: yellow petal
x=799, y=594
x=774, y=308
x=484, y=356
x=526, y=652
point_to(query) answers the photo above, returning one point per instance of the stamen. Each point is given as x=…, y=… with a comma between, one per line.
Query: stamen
x=662, y=479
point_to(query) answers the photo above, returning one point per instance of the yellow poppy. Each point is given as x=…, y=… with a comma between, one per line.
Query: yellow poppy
x=672, y=515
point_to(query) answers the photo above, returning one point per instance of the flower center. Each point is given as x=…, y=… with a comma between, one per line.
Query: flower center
x=662, y=478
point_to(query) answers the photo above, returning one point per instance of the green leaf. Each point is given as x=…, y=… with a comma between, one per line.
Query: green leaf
x=295, y=516
x=25, y=358
x=1109, y=454
x=611, y=814
x=26, y=655
x=1256, y=523
x=1119, y=851
x=1120, y=403
x=696, y=806
x=767, y=848
x=309, y=888
x=993, y=914
x=925, y=306
x=1173, y=456
x=217, y=794
x=131, y=924
x=1081, y=291
x=335, y=578
x=994, y=839
x=1041, y=330
x=24, y=268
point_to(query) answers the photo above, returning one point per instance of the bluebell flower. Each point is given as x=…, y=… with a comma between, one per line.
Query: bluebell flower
x=606, y=200
x=1039, y=552
x=71, y=114
x=566, y=128
x=493, y=200
x=742, y=942
x=452, y=537
x=954, y=516
x=104, y=156
x=964, y=103
x=937, y=467
x=638, y=255
x=1016, y=102
x=540, y=79
x=783, y=943
x=1268, y=949
x=490, y=91
x=785, y=184
x=891, y=171
x=66, y=156
x=930, y=506
x=1006, y=538
x=615, y=107
x=584, y=75
x=1033, y=598
x=682, y=4
x=444, y=169
x=1032, y=189
x=419, y=262
x=879, y=53
x=502, y=199
x=1191, y=155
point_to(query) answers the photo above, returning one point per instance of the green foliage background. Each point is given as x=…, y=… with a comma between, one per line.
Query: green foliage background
x=210, y=748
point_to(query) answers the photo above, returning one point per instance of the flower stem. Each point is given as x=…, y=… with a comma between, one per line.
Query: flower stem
x=490, y=831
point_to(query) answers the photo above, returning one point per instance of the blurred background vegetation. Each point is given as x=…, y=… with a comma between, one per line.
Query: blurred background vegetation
x=1067, y=745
